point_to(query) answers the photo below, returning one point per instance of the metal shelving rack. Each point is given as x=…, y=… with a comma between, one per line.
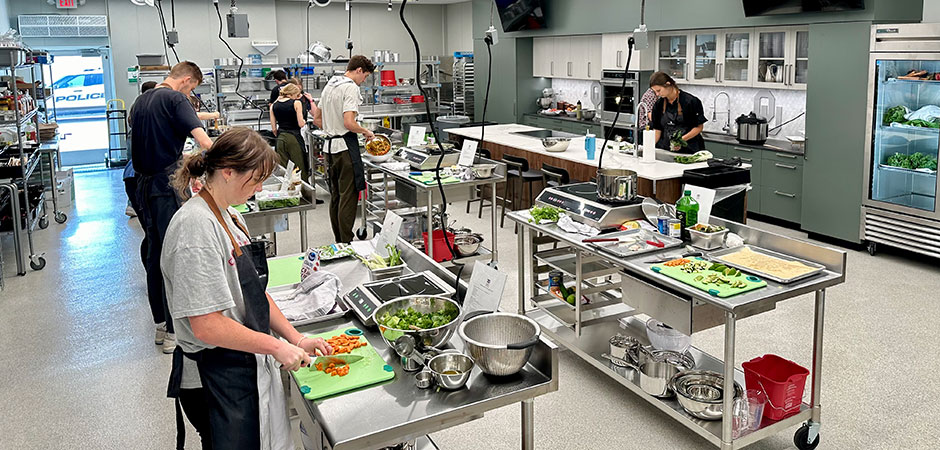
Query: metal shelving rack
x=14, y=59
x=464, y=79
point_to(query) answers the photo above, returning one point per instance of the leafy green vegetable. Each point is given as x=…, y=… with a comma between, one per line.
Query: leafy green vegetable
x=394, y=255
x=278, y=203
x=406, y=319
x=700, y=156
x=914, y=161
x=922, y=123
x=676, y=140
x=378, y=262
x=540, y=213
x=895, y=114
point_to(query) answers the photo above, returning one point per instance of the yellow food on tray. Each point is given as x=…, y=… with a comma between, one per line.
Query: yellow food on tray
x=767, y=264
x=378, y=147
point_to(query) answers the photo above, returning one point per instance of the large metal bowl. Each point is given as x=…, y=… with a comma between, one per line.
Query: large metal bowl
x=588, y=114
x=431, y=337
x=556, y=144
x=701, y=393
x=500, y=343
x=483, y=170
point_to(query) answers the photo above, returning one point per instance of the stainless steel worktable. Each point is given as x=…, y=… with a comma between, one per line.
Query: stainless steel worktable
x=585, y=329
x=263, y=221
x=397, y=411
x=420, y=195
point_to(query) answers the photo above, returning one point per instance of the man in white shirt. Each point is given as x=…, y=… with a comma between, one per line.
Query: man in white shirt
x=339, y=106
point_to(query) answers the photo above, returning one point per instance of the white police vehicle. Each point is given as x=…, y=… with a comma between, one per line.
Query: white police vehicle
x=82, y=90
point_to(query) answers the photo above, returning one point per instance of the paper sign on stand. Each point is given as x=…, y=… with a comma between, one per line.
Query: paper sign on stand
x=467, y=153
x=486, y=288
x=389, y=234
x=705, y=198
x=416, y=136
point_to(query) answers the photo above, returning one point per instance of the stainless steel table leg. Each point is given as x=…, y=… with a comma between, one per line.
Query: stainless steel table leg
x=817, y=363
x=17, y=244
x=528, y=424
x=520, y=270
x=577, y=292
x=55, y=192
x=430, y=246
x=726, y=422
x=493, y=222
x=303, y=231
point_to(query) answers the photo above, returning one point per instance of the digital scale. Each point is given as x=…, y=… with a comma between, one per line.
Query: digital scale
x=581, y=202
x=425, y=157
x=366, y=298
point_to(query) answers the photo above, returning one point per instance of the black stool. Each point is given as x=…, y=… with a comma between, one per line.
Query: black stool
x=554, y=176
x=517, y=175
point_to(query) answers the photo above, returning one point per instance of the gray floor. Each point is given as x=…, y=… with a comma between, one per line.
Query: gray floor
x=79, y=368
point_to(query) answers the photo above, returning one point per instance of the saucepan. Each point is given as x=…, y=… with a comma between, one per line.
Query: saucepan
x=656, y=368
x=616, y=185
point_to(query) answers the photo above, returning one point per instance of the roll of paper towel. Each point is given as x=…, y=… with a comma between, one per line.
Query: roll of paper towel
x=649, y=146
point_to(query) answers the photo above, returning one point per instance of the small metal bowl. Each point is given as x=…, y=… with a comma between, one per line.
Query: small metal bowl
x=423, y=379
x=468, y=244
x=588, y=114
x=441, y=366
x=556, y=144
x=483, y=170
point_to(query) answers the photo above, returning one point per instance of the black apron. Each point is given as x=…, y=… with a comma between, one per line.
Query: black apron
x=352, y=146
x=671, y=122
x=229, y=376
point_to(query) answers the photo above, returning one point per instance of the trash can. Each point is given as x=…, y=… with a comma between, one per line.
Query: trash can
x=731, y=185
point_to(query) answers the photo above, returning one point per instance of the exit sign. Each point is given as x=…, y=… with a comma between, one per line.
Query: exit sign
x=67, y=4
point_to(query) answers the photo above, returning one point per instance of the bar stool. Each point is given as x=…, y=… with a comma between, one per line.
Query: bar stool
x=554, y=176
x=476, y=192
x=517, y=176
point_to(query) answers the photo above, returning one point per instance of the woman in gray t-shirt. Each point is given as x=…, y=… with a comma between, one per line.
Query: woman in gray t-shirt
x=225, y=369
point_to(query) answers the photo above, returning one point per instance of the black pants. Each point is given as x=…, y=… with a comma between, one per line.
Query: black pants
x=344, y=198
x=130, y=188
x=196, y=407
x=158, y=202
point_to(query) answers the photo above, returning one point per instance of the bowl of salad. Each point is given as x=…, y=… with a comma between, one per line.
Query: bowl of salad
x=430, y=319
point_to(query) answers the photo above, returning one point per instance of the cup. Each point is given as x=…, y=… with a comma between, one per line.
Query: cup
x=744, y=46
x=736, y=49
x=590, y=152
x=590, y=144
x=756, y=399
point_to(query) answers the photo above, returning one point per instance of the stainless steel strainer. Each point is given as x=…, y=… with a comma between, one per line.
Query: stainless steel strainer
x=500, y=343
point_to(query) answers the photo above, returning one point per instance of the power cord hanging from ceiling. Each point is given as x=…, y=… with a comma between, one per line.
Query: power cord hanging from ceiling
x=349, y=44
x=166, y=41
x=621, y=97
x=307, y=55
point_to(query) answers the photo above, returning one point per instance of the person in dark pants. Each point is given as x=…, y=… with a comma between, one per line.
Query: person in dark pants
x=130, y=182
x=287, y=120
x=280, y=77
x=339, y=106
x=162, y=119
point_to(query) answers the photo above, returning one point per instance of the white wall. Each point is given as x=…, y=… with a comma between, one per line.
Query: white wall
x=4, y=14
x=458, y=32
x=931, y=11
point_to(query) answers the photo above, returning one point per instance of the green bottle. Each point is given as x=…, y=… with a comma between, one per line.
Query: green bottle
x=687, y=212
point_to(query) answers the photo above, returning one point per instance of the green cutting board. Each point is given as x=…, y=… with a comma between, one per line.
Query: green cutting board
x=718, y=290
x=284, y=271
x=370, y=370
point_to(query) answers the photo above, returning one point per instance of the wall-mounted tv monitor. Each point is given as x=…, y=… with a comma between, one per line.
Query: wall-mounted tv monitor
x=774, y=7
x=517, y=15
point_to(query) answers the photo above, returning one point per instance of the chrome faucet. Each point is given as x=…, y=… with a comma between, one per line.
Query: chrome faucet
x=727, y=127
x=639, y=108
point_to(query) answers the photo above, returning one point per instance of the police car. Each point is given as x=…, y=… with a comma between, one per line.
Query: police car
x=83, y=90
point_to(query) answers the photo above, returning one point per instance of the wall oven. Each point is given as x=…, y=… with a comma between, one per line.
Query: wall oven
x=611, y=82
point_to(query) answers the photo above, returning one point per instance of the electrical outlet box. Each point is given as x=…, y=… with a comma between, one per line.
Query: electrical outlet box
x=172, y=37
x=641, y=39
x=237, y=25
x=491, y=34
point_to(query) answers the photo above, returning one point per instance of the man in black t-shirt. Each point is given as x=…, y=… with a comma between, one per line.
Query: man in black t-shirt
x=280, y=77
x=162, y=119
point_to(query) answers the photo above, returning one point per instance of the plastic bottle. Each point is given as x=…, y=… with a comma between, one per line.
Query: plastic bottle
x=687, y=212
x=578, y=110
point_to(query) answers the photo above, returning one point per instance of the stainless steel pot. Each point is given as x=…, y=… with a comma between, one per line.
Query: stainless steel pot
x=752, y=129
x=616, y=185
x=500, y=343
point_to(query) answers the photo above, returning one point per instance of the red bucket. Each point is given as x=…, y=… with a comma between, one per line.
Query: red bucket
x=781, y=379
x=417, y=99
x=388, y=78
x=441, y=251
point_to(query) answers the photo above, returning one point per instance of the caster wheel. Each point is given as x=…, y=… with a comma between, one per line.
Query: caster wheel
x=872, y=248
x=38, y=264
x=43, y=223
x=61, y=218
x=799, y=439
x=362, y=234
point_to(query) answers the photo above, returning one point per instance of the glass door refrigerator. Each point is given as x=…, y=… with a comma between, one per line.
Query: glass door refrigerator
x=903, y=140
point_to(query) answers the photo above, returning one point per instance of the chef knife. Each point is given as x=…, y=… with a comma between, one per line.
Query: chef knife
x=336, y=359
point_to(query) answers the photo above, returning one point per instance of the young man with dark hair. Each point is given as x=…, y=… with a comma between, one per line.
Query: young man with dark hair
x=161, y=120
x=339, y=106
x=280, y=77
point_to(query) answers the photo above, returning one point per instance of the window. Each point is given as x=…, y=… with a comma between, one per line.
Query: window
x=71, y=81
x=93, y=79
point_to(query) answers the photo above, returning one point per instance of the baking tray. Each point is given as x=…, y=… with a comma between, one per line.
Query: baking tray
x=621, y=251
x=717, y=256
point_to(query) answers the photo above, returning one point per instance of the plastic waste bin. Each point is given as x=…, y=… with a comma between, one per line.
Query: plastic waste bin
x=730, y=183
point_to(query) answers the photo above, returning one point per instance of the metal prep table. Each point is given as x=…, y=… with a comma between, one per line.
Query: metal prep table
x=397, y=411
x=586, y=329
x=423, y=197
x=275, y=220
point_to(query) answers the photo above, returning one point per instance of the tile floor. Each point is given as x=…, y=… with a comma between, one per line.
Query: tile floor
x=78, y=366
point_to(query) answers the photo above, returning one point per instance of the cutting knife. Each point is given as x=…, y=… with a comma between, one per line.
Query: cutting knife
x=336, y=359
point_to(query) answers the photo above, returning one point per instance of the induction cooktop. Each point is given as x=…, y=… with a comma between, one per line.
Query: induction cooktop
x=581, y=202
x=542, y=133
x=366, y=298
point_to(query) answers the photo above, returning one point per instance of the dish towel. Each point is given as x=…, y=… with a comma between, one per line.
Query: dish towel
x=428, y=178
x=570, y=226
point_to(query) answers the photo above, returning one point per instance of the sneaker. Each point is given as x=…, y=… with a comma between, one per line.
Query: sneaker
x=130, y=211
x=160, y=334
x=169, y=344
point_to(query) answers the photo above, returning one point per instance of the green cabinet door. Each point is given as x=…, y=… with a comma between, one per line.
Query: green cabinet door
x=786, y=177
x=781, y=204
x=718, y=149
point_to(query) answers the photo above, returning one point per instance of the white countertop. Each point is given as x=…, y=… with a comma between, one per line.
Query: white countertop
x=502, y=135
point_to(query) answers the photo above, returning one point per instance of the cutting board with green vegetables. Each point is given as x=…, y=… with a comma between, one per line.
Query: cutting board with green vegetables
x=720, y=283
x=369, y=370
x=284, y=271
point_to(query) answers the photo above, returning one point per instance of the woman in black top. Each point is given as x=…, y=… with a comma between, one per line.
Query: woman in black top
x=676, y=111
x=287, y=119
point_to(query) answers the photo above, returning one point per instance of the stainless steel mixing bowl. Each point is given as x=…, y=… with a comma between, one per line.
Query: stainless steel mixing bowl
x=431, y=337
x=500, y=343
x=701, y=393
x=442, y=365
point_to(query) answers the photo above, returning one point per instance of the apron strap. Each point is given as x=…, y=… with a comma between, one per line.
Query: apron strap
x=180, y=427
x=218, y=215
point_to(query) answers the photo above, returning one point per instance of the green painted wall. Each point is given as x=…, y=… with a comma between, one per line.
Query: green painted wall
x=836, y=104
x=512, y=86
x=566, y=17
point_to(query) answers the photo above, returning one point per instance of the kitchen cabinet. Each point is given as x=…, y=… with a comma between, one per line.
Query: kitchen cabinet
x=783, y=57
x=736, y=63
x=704, y=57
x=543, y=54
x=614, y=53
x=585, y=57
x=672, y=55
x=561, y=57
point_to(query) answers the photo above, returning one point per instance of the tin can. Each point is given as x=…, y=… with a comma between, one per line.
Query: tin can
x=675, y=228
x=662, y=224
x=556, y=279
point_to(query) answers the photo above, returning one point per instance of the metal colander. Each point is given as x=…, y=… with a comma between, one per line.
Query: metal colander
x=499, y=343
